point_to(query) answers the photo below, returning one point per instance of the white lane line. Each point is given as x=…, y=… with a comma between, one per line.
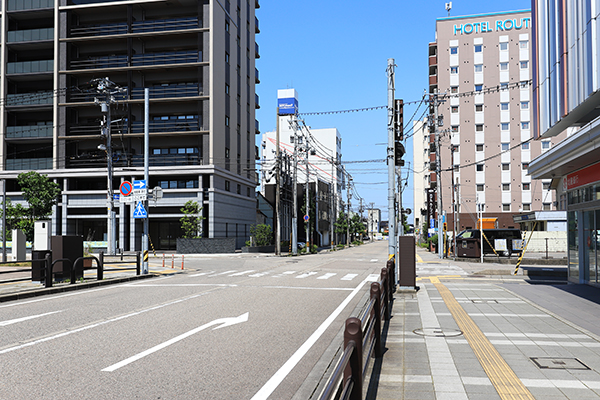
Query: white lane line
x=374, y=260
x=306, y=275
x=222, y=273
x=17, y=320
x=202, y=273
x=242, y=273
x=259, y=274
x=327, y=275
x=349, y=277
x=286, y=368
x=221, y=321
x=85, y=328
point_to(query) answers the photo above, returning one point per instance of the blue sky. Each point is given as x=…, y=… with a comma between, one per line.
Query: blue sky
x=335, y=55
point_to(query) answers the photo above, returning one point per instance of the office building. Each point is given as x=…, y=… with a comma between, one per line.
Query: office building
x=480, y=70
x=566, y=100
x=197, y=58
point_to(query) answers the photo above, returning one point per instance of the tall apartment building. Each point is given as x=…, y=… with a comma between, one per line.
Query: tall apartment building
x=567, y=99
x=197, y=57
x=480, y=67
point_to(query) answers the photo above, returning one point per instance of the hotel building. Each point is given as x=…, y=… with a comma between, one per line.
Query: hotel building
x=196, y=57
x=480, y=69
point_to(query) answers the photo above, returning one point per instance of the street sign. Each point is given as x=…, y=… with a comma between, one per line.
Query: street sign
x=140, y=211
x=126, y=188
x=157, y=193
x=126, y=199
x=116, y=197
x=306, y=218
x=141, y=184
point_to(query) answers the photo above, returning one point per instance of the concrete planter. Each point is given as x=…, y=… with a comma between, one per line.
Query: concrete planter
x=205, y=245
x=259, y=249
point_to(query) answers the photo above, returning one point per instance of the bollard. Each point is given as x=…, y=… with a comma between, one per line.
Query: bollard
x=163, y=260
x=353, y=333
x=101, y=266
x=387, y=295
x=172, y=260
x=182, y=262
x=376, y=295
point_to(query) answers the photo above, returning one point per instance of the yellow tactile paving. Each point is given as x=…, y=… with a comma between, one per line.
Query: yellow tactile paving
x=504, y=379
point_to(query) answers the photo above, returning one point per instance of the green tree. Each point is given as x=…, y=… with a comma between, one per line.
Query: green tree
x=357, y=227
x=341, y=224
x=262, y=234
x=191, y=221
x=40, y=193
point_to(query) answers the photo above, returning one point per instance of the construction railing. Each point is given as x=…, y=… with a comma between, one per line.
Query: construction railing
x=362, y=340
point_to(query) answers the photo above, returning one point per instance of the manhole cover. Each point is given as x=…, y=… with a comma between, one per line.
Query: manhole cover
x=558, y=363
x=437, y=332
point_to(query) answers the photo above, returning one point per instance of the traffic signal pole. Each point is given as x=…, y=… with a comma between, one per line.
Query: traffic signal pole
x=390, y=161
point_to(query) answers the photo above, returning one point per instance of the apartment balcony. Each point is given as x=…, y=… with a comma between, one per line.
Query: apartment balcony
x=138, y=60
x=256, y=78
x=30, y=35
x=256, y=4
x=137, y=127
x=42, y=130
x=168, y=91
x=256, y=127
x=432, y=60
x=120, y=28
x=256, y=101
x=28, y=164
x=20, y=5
x=256, y=28
x=433, y=80
x=256, y=53
x=30, y=67
x=98, y=160
x=27, y=99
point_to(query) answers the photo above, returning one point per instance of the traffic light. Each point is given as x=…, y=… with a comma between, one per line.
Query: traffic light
x=398, y=132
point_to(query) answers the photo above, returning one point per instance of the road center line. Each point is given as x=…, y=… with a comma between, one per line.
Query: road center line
x=17, y=320
x=286, y=368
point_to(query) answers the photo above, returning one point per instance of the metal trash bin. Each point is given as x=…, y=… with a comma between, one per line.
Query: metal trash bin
x=38, y=265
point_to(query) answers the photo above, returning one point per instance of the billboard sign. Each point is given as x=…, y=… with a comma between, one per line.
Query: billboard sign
x=288, y=106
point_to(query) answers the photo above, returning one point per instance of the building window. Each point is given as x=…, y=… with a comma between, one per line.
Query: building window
x=478, y=107
x=454, y=89
x=524, y=64
x=248, y=191
x=506, y=187
x=226, y=120
x=239, y=189
x=525, y=166
x=546, y=206
x=480, y=188
x=505, y=207
x=455, y=128
x=506, y=167
x=523, y=44
x=524, y=125
x=527, y=186
x=546, y=185
x=479, y=68
x=478, y=48
x=226, y=26
x=504, y=86
x=504, y=46
x=454, y=109
x=227, y=153
x=524, y=84
x=481, y=207
x=524, y=105
x=227, y=186
x=504, y=66
x=504, y=126
x=479, y=128
x=545, y=145
x=478, y=147
x=479, y=167
x=478, y=88
x=505, y=146
x=453, y=50
x=504, y=106
x=226, y=57
x=454, y=70
x=227, y=89
x=526, y=207
x=525, y=146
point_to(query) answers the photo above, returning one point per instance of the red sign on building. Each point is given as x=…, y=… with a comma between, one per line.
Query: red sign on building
x=582, y=177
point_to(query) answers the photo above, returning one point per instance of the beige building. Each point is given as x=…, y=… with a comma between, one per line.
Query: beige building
x=480, y=67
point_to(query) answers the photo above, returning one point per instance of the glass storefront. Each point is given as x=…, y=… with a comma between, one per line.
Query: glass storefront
x=584, y=240
x=573, y=246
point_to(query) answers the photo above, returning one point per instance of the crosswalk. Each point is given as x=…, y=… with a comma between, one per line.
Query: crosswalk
x=251, y=273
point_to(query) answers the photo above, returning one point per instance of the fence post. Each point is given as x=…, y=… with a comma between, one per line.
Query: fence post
x=546, y=248
x=376, y=295
x=48, y=271
x=101, y=266
x=137, y=263
x=386, y=293
x=353, y=333
x=391, y=273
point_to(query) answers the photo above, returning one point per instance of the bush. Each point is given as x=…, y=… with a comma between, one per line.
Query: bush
x=357, y=242
x=433, y=239
x=262, y=234
x=313, y=249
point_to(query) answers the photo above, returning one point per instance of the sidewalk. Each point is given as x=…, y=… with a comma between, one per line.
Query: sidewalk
x=474, y=332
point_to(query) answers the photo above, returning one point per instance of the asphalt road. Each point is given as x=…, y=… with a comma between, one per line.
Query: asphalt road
x=230, y=327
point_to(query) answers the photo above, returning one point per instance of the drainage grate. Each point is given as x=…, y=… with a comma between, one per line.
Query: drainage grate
x=437, y=332
x=558, y=363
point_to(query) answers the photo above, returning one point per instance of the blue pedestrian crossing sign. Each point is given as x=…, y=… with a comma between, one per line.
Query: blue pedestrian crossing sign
x=140, y=211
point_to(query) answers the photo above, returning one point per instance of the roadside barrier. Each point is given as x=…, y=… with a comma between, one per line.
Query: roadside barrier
x=10, y=265
x=173, y=260
x=360, y=334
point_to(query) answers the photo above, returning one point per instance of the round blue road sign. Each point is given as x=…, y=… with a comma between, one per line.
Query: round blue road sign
x=126, y=188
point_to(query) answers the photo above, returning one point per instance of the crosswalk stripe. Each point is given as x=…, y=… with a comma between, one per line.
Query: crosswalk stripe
x=242, y=273
x=327, y=276
x=349, y=277
x=306, y=275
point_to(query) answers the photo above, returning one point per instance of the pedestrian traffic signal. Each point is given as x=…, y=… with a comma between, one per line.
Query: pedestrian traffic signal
x=398, y=120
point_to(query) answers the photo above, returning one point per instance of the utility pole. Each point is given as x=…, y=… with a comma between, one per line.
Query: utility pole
x=454, y=205
x=307, y=220
x=277, y=190
x=331, y=201
x=108, y=89
x=390, y=160
x=349, y=196
x=146, y=221
x=295, y=192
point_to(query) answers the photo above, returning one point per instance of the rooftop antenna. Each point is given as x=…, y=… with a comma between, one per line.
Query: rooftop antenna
x=449, y=7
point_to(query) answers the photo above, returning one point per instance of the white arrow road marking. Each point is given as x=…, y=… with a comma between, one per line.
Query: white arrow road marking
x=17, y=320
x=223, y=322
x=286, y=368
